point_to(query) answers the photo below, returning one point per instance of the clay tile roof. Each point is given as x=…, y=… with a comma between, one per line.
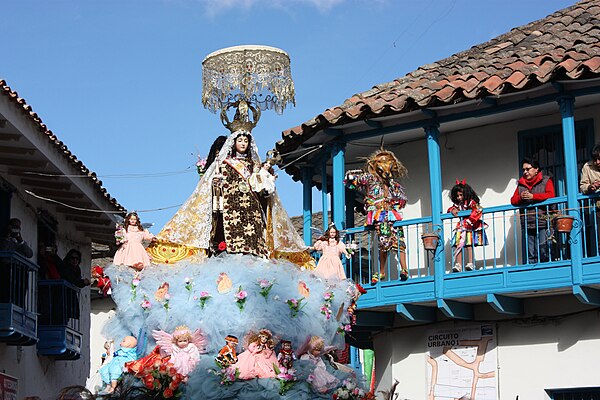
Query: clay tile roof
x=564, y=45
x=70, y=157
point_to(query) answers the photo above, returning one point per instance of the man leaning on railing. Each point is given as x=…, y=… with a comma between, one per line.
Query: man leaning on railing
x=533, y=188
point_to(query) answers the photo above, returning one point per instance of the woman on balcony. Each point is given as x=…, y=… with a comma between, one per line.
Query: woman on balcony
x=533, y=188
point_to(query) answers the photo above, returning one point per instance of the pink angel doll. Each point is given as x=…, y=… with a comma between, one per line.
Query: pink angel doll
x=329, y=265
x=258, y=359
x=131, y=251
x=320, y=380
x=183, y=346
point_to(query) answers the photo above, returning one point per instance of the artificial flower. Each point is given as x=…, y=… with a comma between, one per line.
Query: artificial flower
x=240, y=298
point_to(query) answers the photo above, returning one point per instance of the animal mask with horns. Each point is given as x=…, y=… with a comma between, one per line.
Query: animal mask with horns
x=385, y=165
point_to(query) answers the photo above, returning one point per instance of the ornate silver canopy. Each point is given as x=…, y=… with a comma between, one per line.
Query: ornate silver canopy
x=257, y=75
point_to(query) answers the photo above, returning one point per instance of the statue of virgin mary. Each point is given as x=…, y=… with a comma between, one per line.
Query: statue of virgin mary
x=229, y=211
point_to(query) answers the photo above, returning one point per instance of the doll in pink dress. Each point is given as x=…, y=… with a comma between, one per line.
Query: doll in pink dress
x=259, y=357
x=183, y=346
x=329, y=265
x=320, y=380
x=131, y=251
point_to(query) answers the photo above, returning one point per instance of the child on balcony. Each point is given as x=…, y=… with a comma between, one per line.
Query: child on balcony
x=469, y=231
x=329, y=265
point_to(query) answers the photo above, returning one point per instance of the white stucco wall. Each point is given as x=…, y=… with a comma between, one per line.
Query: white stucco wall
x=101, y=311
x=39, y=375
x=552, y=350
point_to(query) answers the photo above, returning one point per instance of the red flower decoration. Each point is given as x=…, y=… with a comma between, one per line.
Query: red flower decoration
x=167, y=393
x=222, y=246
x=360, y=288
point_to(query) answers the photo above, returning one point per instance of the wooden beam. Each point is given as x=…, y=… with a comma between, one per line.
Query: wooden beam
x=89, y=220
x=373, y=124
x=416, y=313
x=333, y=132
x=429, y=112
x=10, y=136
x=505, y=304
x=16, y=150
x=587, y=295
x=49, y=182
x=92, y=229
x=372, y=318
x=71, y=211
x=455, y=309
x=65, y=194
x=19, y=162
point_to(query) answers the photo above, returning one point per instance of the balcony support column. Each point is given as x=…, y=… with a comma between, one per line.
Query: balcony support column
x=432, y=134
x=338, y=190
x=567, y=106
x=455, y=309
x=416, y=313
x=325, y=204
x=505, y=304
x=587, y=295
x=307, y=205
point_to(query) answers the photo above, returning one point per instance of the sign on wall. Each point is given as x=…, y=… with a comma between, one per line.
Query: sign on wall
x=461, y=362
x=8, y=387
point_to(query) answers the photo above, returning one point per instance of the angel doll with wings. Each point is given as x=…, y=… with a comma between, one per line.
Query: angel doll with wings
x=313, y=351
x=181, y=349
x=184, y=347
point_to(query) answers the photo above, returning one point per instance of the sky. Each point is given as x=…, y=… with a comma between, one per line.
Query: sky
x=120, y=81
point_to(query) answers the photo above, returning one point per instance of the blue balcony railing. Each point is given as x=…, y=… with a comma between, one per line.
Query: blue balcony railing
x=18, y=299
x=520, y=241
x=59, y=322
x=365, y=262
x=515, y=236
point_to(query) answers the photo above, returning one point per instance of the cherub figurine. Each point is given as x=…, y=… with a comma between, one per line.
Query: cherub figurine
x=286, y=356
x=258, y=359
x=112, y=371
x=228, y=354
x=322, y=380
x=183, y=346
x=162, y=291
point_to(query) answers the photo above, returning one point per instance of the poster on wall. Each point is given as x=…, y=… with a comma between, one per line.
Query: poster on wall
x=8, y=387
x=461, y=363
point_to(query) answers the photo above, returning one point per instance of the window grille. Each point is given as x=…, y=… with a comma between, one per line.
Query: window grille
x=546, y=145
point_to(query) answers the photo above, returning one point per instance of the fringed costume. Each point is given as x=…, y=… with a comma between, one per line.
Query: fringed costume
x=384, y=202
x=468, y=231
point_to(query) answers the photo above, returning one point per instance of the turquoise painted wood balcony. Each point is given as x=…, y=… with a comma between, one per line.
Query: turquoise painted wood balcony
x=18, y=300
x=503, y=273
x=59, y=330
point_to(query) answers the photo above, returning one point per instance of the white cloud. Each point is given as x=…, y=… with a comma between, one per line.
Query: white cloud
x=216, y=7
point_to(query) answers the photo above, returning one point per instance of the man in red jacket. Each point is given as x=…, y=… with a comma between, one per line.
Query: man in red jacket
x=533, y=188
